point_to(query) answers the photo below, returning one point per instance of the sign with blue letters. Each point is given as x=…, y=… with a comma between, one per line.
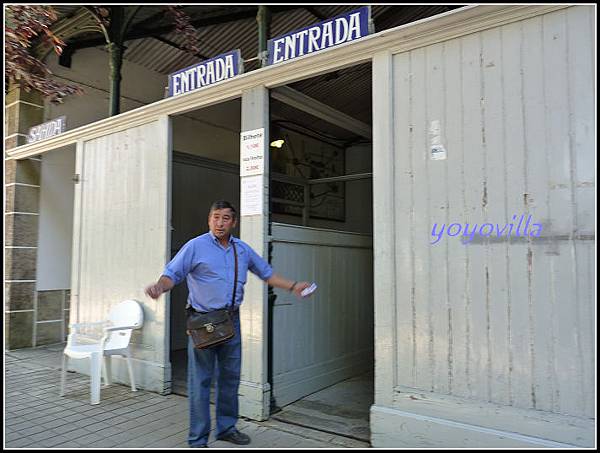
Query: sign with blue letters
x=221, y=67
x=331, y=32
x=47, y=129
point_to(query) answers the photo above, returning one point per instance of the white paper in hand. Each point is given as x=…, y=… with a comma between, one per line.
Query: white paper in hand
x=308, y=291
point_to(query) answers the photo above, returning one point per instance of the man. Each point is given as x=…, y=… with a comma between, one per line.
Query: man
x=207, y=262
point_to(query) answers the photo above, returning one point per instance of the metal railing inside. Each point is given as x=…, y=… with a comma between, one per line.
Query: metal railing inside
x=294, y=193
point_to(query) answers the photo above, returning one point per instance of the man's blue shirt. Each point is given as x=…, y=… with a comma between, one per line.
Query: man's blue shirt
x=209, y=269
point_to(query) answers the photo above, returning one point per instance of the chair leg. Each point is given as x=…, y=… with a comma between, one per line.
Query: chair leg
x=95, y=372
x=133, y=389
x=63, y=375
x=107, y=369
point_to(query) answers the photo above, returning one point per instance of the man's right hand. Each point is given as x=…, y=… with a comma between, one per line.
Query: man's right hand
x=163, y=285
x=154, y=291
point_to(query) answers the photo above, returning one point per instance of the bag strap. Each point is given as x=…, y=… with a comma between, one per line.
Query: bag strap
x=235, y=277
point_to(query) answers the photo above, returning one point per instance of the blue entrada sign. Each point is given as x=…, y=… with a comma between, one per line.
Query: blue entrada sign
x=221, y=67
x=332, y=32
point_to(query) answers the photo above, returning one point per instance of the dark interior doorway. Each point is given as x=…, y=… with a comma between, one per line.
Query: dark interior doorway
x=320, y=368
x=205, y=168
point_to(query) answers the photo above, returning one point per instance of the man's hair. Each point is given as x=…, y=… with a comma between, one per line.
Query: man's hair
x=222, y=204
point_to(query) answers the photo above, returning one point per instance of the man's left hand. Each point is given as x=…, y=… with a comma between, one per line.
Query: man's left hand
x=300, y=286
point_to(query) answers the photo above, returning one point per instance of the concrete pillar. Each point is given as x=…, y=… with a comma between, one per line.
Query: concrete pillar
x=21, y=216
x=384, y=249
x=255, y=390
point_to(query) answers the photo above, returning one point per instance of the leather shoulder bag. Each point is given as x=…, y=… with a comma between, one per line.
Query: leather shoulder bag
x=215, y=327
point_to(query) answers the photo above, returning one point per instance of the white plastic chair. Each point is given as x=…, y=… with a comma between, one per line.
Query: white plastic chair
x=122, y=319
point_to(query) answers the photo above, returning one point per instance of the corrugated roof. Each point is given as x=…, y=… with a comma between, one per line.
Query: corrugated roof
x=346, y=90
x=242, y=34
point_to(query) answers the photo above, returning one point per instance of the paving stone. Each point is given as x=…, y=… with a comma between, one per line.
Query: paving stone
x=115, y=420
x=22, y=426
x=45, y=419
x=105, y=431
x=41, y=436
x=123, y=419
x=23, y=412
x=13, y=435
x=70, y=443
x=130, y=424
x=71, y=417
x=20, y=443
x=58, y=411
x=162, y=433
x=83, y=423
x=103, y=443
x=123, y=437
x=169, y=442
x=13, y=420
x=54, y=441
x=54, y=423
x=88, y=438
x=97, y=426
x=102, y=416
x=66, y=428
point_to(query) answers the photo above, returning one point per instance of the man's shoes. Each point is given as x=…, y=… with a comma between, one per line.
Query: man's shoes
x=235, y=437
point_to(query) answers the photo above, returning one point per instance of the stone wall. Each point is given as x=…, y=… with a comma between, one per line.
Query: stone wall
x=52, y=316
x=21, y=219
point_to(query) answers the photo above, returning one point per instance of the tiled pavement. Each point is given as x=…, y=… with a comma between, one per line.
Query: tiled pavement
x=36, y=417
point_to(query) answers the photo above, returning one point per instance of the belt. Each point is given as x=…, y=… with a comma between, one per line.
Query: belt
x=235, y=310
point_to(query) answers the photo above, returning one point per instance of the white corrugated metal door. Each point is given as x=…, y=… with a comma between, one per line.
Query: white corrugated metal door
x=121, y=225
x=324, y=339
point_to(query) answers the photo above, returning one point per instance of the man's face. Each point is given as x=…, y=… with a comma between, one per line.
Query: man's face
x=221, y=222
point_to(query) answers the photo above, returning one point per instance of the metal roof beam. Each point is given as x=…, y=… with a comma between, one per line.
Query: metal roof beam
x=313, y=107
x=178, y=47
x=137, y=33
x=315, y=12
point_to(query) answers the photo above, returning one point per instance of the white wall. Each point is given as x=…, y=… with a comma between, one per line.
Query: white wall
x=496, y=333
x=90, y=71
x=56, y=220
x=521, y=297
x=212, y=132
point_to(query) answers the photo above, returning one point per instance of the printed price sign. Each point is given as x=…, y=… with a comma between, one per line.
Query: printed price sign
x=252, y=152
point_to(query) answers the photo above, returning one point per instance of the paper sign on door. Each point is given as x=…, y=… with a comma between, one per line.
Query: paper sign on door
x=252, y=195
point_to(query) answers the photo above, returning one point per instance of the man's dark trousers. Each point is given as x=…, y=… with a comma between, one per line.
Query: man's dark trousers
x=201, y=366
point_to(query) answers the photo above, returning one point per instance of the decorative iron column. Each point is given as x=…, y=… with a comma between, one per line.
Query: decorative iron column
x=264, y=31
x=116, y=49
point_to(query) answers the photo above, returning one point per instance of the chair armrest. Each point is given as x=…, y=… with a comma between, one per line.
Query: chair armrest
x=75, y=338
x=72, y=338
x=80, y=325
x=76, y=328
x=115, y=328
